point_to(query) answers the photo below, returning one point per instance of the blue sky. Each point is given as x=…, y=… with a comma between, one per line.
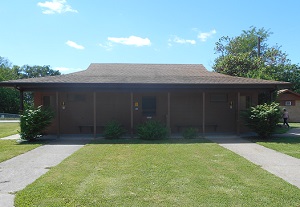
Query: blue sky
x=70, y=34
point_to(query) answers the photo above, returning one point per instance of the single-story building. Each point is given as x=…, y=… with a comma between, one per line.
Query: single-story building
x=290, y=100
x=178, y=95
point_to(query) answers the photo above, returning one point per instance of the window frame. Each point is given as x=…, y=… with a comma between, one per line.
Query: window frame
x=149, y=105
x=288, y=103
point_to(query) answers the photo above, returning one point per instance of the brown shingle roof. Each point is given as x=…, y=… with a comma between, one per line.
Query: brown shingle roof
x=283, y=91
x=121, y=75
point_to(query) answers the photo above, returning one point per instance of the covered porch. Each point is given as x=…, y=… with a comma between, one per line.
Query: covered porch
x=86, y=112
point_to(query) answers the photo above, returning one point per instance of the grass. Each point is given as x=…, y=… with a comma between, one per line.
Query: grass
x=162, y=173
x=286, y=145
x=7, y=129
x=282, y=130
x=11, y=148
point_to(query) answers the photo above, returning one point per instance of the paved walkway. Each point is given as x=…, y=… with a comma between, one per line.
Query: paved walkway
x=15, y=136
x=9, y=121
x=279, y=164
x=20, y=171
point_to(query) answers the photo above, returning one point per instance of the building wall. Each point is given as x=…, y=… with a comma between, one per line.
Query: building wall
x=75, y=109
x=293, y=109
x=112, y=106
x=38, y=101
x=186, y=109
x=161, y=108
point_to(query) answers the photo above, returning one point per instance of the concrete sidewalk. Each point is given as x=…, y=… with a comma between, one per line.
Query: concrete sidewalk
x=14, y=136
x=9, y=121
x=20, y=171
x=279, y=164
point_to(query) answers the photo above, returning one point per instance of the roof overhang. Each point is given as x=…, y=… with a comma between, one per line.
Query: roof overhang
x=134, y=86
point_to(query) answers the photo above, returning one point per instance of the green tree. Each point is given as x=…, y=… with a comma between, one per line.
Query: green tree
x=9, y=97
x=291, y=73
x=35, y=71
x=249, y=55
x=34, y=121
x=263, y=119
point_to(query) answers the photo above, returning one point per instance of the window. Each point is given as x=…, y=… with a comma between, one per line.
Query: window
x=149, y=105
x=48, y=101
x=245, y=102
x=288, y=103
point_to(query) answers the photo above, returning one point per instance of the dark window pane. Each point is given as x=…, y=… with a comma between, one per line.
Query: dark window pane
x=149, y=105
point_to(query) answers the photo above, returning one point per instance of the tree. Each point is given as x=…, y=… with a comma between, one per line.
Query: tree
x=249, y=55
x=35, y=71
x=291, y=73
x=4, y=63
x=9, y=98
x=34, y=121
x=263, y=119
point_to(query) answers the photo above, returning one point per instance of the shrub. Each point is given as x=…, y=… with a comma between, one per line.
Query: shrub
x=113, y=130
x=152, y=130
x=34, y=121
x=190, y=133
x=263, y=119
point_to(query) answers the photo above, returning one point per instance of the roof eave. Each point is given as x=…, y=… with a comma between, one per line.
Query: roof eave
x=59, y=86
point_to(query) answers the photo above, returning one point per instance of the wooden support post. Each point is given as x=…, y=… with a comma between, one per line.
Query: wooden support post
x=203, y=113
x=95, y=114
x=57, y=115
x=238, y=113
x=21, y=101
x=131, y=113
x=168, y=115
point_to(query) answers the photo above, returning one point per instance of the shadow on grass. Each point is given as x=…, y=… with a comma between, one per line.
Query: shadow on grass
x=142, y=141
x=275, y=139
x=36, y=141
x=69, y=140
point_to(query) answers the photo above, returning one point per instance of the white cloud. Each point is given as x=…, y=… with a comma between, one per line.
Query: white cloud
x=132, y=40
x=74, y=45
x=181, y=41
x=107, y=46
x=56, y=6
x=203, y=36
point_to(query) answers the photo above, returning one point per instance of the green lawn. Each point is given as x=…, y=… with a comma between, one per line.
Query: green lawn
x=11, y=148
x=7, y=129
x=162, y=173
x=282, y=130
x=286, y=145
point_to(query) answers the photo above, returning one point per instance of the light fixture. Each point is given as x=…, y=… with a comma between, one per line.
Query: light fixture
x=231, y=104
x=63, y=105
